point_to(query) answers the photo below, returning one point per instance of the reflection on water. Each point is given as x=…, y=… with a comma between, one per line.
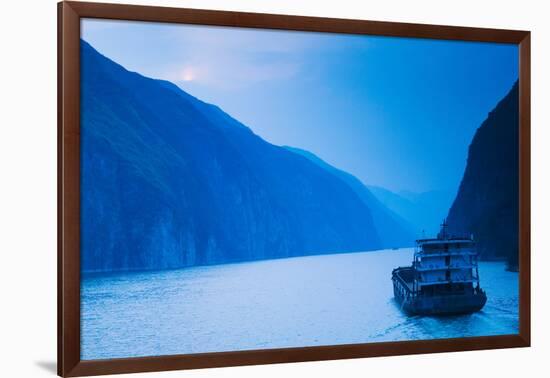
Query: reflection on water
x=304, y=301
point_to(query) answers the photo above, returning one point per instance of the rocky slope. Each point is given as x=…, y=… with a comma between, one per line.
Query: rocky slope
x=487, y=201
x=394, y=231
x=169, y=181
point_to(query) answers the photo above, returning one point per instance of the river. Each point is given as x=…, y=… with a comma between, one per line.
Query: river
x=294, y=302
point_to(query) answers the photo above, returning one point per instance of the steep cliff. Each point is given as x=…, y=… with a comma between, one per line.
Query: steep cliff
x=169, y=181
x=487, y=201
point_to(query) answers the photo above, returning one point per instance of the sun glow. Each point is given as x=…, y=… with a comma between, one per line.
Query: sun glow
x=188, y=74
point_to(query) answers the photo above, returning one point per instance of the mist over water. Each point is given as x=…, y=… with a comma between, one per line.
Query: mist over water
x=295, y=302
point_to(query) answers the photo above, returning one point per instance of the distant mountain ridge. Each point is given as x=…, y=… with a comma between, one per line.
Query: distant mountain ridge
x=394, y=231
x=487, y=203
x=423, y=211
x=169, y=181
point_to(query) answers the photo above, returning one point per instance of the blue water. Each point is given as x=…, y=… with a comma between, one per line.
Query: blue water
x=304, y=301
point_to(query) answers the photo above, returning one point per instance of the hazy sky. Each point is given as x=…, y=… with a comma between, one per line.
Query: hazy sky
x=395, y=112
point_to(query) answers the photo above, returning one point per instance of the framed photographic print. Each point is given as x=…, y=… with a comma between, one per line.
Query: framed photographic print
x=239, y=188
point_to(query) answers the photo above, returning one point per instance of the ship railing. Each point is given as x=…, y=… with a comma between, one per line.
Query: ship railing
x=404, y=284
x=409, y=288
x=454, y=238
x=427, y=268
x=443, y=281
x=421, y=253
x=401, y=280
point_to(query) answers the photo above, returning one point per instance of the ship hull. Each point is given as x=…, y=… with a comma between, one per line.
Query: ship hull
x=442, y=305
x=448, y=304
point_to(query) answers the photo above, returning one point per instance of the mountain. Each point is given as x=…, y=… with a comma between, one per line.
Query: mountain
x=424, y=211
x=487, y=201
x=169, y=181
x=393, y=230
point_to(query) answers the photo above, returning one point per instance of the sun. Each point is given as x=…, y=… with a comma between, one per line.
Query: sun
x=188, y=74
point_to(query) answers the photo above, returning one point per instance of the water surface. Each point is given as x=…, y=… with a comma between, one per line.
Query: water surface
x=296, y=302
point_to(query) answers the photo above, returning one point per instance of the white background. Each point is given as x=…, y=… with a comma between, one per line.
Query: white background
x=28, y=186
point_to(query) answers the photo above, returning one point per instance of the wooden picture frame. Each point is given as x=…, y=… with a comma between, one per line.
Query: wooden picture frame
x=69, y=15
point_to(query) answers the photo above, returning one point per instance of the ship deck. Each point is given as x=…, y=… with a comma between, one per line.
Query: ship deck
x=405, y=277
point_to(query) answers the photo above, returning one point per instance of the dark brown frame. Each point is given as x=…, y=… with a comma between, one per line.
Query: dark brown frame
x=69, y=15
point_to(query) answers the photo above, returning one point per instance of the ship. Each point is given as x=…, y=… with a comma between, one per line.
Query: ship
x=443, y=278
